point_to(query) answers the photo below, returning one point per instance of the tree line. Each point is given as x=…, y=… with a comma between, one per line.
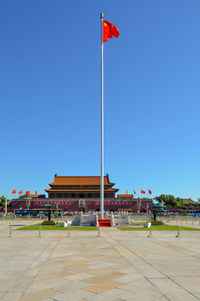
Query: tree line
x=3, y=200
x=170, y=200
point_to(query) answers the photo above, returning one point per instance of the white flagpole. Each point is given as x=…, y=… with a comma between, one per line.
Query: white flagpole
x=102, y=123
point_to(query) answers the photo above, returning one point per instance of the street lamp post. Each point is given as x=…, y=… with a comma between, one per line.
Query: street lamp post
x=57, y=210
x=28, y=201
x=139, y=204
x=6, y=207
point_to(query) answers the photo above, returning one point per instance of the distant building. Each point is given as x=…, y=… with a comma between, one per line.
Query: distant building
x=189, y=202
x=125, y=196
x=82, y=187
x=36, y=196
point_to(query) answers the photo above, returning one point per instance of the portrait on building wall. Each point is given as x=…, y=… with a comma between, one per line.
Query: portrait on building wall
x=81, y=203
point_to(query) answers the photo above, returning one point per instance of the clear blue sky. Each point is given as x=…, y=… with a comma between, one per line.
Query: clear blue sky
x=50, y=94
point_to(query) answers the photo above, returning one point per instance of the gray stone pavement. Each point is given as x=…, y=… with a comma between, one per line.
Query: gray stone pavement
x=120, y=265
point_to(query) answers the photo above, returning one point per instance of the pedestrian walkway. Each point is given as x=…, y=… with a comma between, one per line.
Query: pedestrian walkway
x=118, y=266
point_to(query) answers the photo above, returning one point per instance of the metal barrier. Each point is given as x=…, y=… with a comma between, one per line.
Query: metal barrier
x=98, y=231
x=68, y=230
x=178, y=234
x=39, y=230
x=150, y=235
x=10, y=227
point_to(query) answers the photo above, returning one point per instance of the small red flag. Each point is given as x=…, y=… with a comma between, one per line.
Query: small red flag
x=14, y=191
x=20, y=192
x=143, y=192
x=28, y=192
x=126, y=191
x=134, y=192
x=36, y=192
x=150, y=192
x=109, y=31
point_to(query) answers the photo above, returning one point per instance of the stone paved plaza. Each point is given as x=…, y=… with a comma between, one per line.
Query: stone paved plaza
x=119, y=265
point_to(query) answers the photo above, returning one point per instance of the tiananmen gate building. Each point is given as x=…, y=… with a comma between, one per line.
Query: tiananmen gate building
x=82, y=193
x=80, y=187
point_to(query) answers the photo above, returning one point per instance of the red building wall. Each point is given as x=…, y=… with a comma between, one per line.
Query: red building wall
x=90, y=205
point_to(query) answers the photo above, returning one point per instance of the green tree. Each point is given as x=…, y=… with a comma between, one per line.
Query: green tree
x=179, y=202
x=3, y=200
x=23, y=196
x=167, y=199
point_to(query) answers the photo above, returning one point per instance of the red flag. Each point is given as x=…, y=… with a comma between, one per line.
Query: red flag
x=109, y=31
x=134, y=192
x=150, y=192
x=36, y=192
x=143, y=192
x=126, y=191
x=28, y=192
x=14, y=191
x=20, y=192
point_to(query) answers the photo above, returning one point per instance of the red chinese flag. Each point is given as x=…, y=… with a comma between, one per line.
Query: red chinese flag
x=14, y=191
x=20, y=192
x=134, y=192
x=143, y=192
x=109, y=31
x=28, y=192
x=150, y=192
x=36, y=192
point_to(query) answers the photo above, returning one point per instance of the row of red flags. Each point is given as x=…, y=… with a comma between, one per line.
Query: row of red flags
x=142, y=191
x=21, y=191
x=36, y=192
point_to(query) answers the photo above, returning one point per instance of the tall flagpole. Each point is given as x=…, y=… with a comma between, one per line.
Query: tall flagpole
x=102, y=123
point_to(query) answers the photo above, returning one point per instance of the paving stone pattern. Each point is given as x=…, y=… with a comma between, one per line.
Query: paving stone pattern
x=118, y=266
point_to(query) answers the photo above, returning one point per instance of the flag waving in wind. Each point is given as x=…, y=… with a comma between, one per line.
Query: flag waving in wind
x=109, y=31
